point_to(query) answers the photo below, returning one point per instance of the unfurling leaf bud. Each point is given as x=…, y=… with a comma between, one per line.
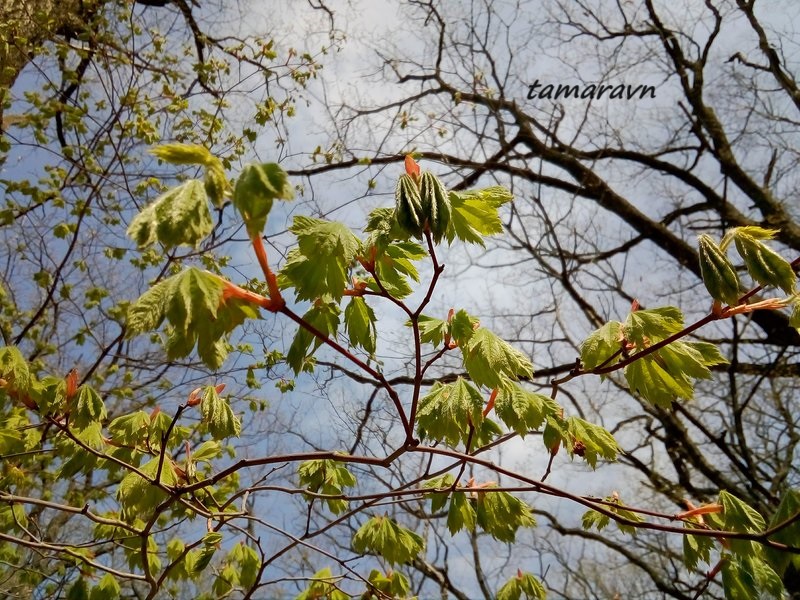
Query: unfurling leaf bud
x=435, y=204
x=719, y=276
x=408, y=206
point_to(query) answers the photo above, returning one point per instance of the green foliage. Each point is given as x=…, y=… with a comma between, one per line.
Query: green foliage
x=590, y=442
x=179, y=217
x=668, y=373
x=786, y=513
x=324, y=317
x=255, y=190
x=106, y=589
x=359, y=321
x=447, y=411
x=521, y=410
x=432, y=331
x=747, y=577
x=475, y=214
x=89, y=408
x=327, y=477
x=593, y=519
x=524, y=584
x=384, y=537
x=138, y=494
x=719, y=275
x=394, y=267
x=194, y=304
x=323, y=587
x=489, y=359
x=763, y=264
x=602, y=347
x=318, y=265
x=500, y=514
x=392, y=585
x=218, y=415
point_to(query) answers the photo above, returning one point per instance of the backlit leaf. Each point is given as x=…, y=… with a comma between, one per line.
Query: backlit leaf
x=255, y=190
x=359, y=321
x=475, y=214
x=602, y=347
x=447, y=410
x=179, y=217
x=383, y=537
x=319, y=265
x=488, y=359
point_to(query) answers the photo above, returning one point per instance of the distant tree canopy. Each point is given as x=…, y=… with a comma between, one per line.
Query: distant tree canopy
x=205, y=389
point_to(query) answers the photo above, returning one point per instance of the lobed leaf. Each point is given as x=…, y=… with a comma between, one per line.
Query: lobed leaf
x=501, y=515
x=602, y=347
x=475, y=214
x=319, y=265
x=488, y=359
x=447, y=411
x=327, y=477
x=179, y=217
x=218, y=415
x=383, y=537
x=523, y=584
x=522, y=410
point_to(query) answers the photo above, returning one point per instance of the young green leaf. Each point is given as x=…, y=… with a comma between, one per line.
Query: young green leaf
x=462, y=513
x=646, y=327
x=598, y=520
x=592, y=519
x=590, y=441
x=655, y=384
x=431, y=330
x=383, y=537
x=393, y=585
x=696, y=548
x=739, y=516
x=462, y=326
x=14, y=369
x=318, y=266
x=183, y=154
x=89, y=408
x=179, y=217
x=522, y=410
x=475, y=214
x=138, y=496
x=106, y=589
x=747, y=577
x=194, y=303
x=447, y=411
x=249, y=564
x=255, y=190
x=323, y=587
x=787, y=512
x=524, y=584
x=439, y=499
x=500, y=514
x=327, y=477
x=359, y=321
x=602, y=347
x=218, y=415
x=488, y=359
x=324, y=316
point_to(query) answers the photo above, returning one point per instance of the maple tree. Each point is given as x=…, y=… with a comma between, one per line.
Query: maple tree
x=167, y=470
